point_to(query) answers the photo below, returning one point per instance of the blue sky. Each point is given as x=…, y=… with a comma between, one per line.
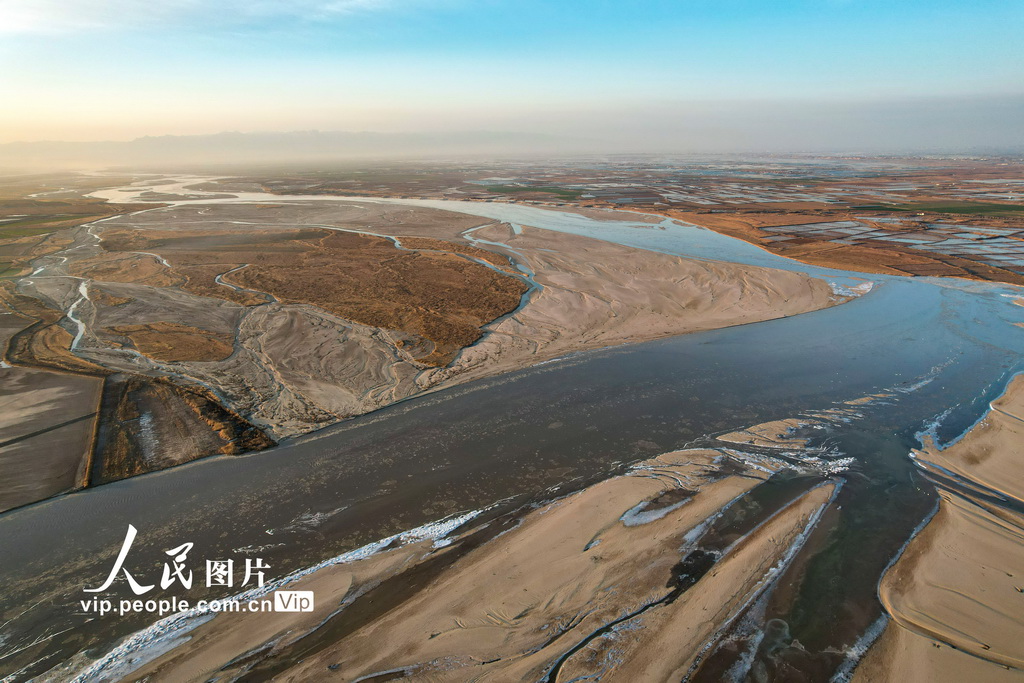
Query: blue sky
x=116, y=69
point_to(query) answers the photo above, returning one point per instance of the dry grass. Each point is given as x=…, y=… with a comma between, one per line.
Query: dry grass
x=434, y=294
x=135, y=268
x=440, y=297
x=101, y=296
x=425, y=243
x=186, y=421
x=173, y=342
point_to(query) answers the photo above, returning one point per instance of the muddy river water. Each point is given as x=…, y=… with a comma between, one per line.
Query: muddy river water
x=943, y=349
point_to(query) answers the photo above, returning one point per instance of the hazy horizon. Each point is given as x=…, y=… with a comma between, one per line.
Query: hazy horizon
x=655, y=76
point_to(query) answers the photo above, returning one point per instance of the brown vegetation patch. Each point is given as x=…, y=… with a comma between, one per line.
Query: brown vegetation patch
x=150, y=424
x=439, y=297
x=27, y=225
x=36, y=216
x=202, y=281
x=17, y=252
x=49, y=345
x=174, y=342
x=101, y=296
x=424, y=243
x=433, y=294
x=198, y=257
x=135, y=268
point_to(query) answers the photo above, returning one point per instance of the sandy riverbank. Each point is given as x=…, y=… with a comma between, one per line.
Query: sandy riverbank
x=956, y=594
x=596, y=294
x=602, y=579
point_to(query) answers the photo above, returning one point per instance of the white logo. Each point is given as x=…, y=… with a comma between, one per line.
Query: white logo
x=293, y=601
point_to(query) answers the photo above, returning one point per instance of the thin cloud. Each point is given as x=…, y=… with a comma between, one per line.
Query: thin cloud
x=70, y=16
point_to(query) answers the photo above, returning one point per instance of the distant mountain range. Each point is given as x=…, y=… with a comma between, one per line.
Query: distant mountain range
x=260, y=148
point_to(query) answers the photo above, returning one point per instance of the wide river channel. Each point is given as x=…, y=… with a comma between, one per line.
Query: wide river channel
x=942, y=348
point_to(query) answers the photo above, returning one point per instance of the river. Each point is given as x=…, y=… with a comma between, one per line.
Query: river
x=942, y=348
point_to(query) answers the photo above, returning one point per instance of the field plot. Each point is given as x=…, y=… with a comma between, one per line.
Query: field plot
x=880, y=215
x=33, y=208
x=47, y=420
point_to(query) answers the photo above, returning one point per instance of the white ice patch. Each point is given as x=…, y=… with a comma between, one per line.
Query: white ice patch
x=854, y=291
x=810, y=463
x=639, y=514
x=150, y=440
x=758, y=462
x=308, y=521
x=833, y=466
x=857, y=651
x=251, y=549
x=924, y=380
x=930, y=431
x=555, y=360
